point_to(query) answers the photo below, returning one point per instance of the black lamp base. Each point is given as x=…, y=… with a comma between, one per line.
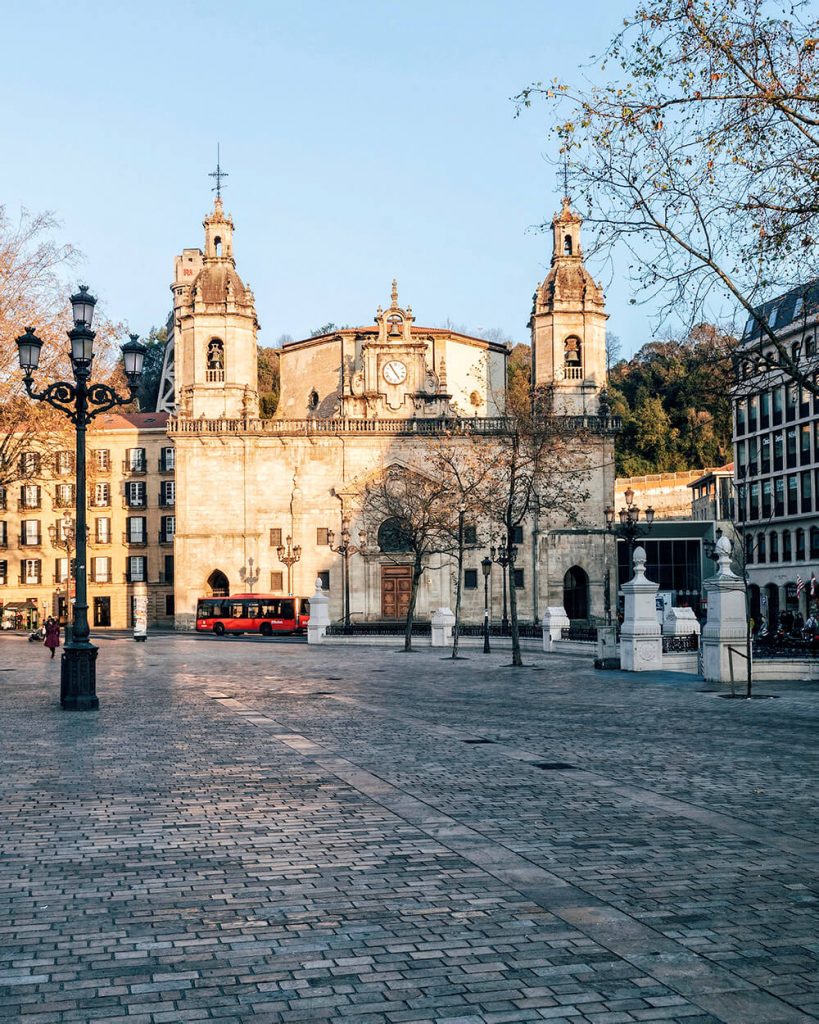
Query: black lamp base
x=78, y=677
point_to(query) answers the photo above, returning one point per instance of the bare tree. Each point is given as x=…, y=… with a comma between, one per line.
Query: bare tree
x=411, y=511
x=701, y=158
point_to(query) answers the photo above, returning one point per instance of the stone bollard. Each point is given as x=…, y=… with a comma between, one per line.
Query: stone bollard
x=319, y=615
x=554, y=621
x=641, y=643
x=442, y=622
x=726, y=625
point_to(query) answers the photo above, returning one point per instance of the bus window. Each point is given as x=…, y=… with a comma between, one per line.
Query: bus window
x=252, y=611
x=236, y=610
x=267, y=610
x=305, y=606
x=288, y=609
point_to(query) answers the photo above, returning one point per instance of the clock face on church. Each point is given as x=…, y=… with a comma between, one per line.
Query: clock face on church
x=394, y=372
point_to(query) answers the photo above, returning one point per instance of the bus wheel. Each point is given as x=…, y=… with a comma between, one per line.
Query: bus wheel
x=266, y=629
x=219, y=629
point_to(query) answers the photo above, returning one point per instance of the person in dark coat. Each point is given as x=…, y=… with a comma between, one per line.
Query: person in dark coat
x=52, y=635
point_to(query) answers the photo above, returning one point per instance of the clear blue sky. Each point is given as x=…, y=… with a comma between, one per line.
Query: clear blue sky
x=364, y=140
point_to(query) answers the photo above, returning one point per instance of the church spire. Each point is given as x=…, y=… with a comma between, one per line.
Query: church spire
x=218, y=174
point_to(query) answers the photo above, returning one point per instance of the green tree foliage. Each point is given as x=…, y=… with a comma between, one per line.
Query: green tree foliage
x=675, y=403
x=268, y=381
x=152, y=369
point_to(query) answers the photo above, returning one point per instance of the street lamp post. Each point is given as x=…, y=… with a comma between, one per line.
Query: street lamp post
x=81, y=401
x=502, y=556
x=629, y=527
x=288, y=555
x=486, y=566
x=345, y=549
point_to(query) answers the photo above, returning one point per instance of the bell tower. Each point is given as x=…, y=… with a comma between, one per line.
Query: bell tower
x=568, y=323
x=214, y=329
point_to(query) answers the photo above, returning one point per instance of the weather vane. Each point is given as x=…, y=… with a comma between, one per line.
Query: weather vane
x=218, y=174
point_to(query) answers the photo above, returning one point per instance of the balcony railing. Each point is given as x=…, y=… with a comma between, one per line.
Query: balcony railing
x=466, y=426
x=166, y=578
x=30, y=581
x=165, y=537
x=126, y=503
x=571, y=372
x=26, y=506
x=167, y=501
x=27, y=541
x=64, y=502
x=135, y=540
x=135, y=468
x=166, y=465
x=100, y=577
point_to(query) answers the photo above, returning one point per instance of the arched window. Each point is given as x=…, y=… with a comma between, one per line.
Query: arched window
x=773, y=546
x=572, y=358
x=313, y=399
x=215, y=357
x=217, y=245
x=761, y=548
x=218, y=584
x=800, y=545
x=787, y=552
x=814, y=542
x=749, y=549
x=576, y=593
x=567, y=245
x=393, y=536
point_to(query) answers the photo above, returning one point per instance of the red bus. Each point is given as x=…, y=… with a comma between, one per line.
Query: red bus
x=252, y=613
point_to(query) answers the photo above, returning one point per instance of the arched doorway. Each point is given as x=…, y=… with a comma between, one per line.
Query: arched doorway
x=771, y=613
x=576, y=593
x=218, y=584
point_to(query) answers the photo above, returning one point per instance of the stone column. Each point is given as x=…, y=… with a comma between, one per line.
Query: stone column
x=726, y=625
x=319, y=615
x=442, y=622
x=555, y=620
x=641, y=643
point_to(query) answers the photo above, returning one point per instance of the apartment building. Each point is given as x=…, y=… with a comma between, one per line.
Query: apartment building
x=131, y=519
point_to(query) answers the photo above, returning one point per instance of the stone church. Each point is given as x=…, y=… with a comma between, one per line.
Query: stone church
x=353, y=403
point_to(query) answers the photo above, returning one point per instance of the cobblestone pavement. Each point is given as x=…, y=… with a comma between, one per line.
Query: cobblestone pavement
x=257, y=831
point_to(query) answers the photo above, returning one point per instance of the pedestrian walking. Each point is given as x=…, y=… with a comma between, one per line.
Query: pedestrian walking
x=52, y=635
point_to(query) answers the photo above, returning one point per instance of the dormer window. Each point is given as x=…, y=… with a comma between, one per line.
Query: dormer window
x=567, y=245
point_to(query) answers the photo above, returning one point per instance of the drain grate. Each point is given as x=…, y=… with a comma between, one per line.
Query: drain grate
x=553, y=766
x=476, y=742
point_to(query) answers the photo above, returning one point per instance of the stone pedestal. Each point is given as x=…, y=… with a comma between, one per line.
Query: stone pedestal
x=319, y=615
x=554, y=621
x=641, y=643
x=726, y=625
x=442, y=622
x=680, y=622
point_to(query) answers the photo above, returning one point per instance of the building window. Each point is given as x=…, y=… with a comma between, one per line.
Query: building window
x=778, y=451
x=773, y=547
x=321, y=536
x=804, y=444
x=470, y=535
x=102, y=459
x=470, y=579
x=753, y=405
x=64, y=463
x=29, y=464
x=31, y=570
x=169, y=605
x=790, y=402
x=30, y=532
x=137, y=571
x=135, y=461
x=2, y=497
x=749, y=549
x=742, y=461
x=102, y=611
x=168, y=572
x=102, y=530
x=800, y=545
x=753, y=501
x=4, y=534
x=277, y=581
x=572, y=358
x=136, y=530
x=168, y=529
x=60, y=570
x=519, y=580
x=517, y=534
x=4, y=572
x=101, y=497
x=313, y=399
x=167, y=460
x=777, y=403
x=101, y=569
x=766, y=499
x=765, y=453
x=275, y=537
x=807, y=494
x=753, y=448
x=779, y=496
x=761, y=553
x=793, y=495
x=324, y=576
x=764, y=410
x=135, y=494
x=167, y=493
x=30, y=496
x=740, y=418
x=64, y=495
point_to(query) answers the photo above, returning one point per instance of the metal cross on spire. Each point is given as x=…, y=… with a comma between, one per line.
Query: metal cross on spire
x=218, y=174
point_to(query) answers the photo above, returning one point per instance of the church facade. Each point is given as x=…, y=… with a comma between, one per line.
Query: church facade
x=354, y=403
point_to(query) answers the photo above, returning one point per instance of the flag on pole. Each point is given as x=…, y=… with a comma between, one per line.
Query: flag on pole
x=800, y=585
x=812, y=583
